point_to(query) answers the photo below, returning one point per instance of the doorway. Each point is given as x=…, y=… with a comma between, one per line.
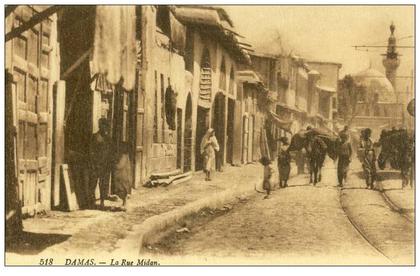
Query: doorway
x=218, y=123
x=251, y=139
x=245, y=139
x=201, y=128
x=229, y=135
x=188, y=135
x=178, y=138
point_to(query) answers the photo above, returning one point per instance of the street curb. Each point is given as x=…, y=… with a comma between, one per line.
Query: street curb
x=133, y=244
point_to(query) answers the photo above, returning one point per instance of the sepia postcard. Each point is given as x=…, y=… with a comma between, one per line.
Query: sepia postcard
x=166, y=135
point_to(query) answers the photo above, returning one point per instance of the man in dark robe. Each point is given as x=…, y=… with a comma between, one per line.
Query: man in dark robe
x=100, y=162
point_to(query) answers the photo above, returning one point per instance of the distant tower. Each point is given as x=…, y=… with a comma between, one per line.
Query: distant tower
x=391, y=60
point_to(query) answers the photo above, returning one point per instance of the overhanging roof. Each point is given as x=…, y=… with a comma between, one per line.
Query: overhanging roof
x=215, y=21
x=327, y=89
x=248, y=76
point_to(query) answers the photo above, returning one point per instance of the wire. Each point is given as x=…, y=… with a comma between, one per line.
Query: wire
x=385, y=41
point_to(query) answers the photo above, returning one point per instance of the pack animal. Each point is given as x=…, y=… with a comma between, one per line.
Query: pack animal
x=317, y=146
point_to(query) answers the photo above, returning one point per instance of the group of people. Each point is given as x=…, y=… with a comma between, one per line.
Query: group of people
x=104, y=160
x=344, y=156
x=367, y=153
x=283, y=166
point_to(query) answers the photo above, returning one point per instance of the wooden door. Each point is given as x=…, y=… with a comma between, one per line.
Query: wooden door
x=218, y=124
x=178, y=138
x=229, y=131
x=30, y=69
x=251, y=139
x=245, y=140
x=188, y=135
x=256, y=155
x=237, y=137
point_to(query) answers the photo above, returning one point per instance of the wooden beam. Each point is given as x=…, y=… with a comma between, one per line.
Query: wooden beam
x=36, y=19
x=10, y=9
x=76, y=64
x=59, y=109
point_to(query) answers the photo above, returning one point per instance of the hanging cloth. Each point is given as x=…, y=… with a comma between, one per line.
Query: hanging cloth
x=114, y=53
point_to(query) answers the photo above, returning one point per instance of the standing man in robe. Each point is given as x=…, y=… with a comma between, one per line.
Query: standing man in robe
x=100, y=162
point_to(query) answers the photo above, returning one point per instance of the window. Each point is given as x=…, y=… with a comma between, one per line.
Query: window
x=155, y=117
x=222, y=79
x=205, y=77
x=334, y=103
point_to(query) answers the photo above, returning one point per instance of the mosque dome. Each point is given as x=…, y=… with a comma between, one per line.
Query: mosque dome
x=377, y=85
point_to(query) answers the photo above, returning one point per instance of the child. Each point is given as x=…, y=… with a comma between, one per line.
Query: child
x=283, y=162
x=268, y=175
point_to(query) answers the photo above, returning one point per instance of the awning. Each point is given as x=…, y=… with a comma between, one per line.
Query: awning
x=327, y=89
x=291, y=108
x=278, y=122
x=198, y=16
x=248, y=76
x=114, y=53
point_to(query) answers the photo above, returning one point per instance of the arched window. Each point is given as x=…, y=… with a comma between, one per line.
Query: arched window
x=205, y=76
x=231, y=81
x=222, y=82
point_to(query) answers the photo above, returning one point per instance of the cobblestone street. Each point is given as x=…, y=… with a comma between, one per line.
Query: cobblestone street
x=301, y=224
x=95, y=232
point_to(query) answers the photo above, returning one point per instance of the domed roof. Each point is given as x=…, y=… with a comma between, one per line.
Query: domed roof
x=376, y=83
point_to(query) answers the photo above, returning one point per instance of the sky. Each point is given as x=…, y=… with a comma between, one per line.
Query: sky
x=328, y=32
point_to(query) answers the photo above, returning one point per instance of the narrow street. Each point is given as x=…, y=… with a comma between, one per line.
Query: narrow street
x=301, y=224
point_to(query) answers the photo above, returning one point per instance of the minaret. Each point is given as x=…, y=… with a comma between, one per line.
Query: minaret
x=391, y=60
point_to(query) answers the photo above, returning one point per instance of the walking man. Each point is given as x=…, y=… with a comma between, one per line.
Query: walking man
x=344, y=158
x=369, y=158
